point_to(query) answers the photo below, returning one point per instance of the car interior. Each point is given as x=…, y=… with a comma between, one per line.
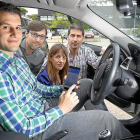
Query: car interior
x=117, y=79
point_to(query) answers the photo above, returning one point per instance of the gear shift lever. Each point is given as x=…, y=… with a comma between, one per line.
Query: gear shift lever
x=105, y=135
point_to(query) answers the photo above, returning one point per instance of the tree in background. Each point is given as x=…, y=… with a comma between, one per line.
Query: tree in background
x=33, y=17
x=61, y=19
x=23, y=11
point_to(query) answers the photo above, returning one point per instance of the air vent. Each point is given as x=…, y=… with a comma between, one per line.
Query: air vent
x=125, y=64
x=136, y=52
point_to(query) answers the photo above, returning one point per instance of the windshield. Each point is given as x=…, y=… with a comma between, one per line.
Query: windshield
x=130, y=25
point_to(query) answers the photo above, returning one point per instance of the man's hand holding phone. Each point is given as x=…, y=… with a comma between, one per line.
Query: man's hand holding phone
x=68, y=100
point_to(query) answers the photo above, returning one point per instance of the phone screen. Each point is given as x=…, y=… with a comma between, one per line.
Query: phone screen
x=72, y=77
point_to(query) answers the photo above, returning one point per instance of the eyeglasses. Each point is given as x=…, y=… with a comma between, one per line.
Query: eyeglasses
x=36, y=35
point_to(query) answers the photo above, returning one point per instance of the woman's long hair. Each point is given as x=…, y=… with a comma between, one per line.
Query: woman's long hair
x=50, y=68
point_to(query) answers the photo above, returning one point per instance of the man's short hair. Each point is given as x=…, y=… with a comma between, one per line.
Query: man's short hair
x=10, y=8
x=36, y=25
x=77, y=27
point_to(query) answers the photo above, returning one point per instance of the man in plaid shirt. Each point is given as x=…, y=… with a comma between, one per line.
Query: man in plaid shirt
x=23, y=100
x=80, y=56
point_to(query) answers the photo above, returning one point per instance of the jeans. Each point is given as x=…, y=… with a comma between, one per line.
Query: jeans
x=86, y=125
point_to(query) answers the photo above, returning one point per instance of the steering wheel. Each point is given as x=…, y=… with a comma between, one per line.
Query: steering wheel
x=105, y=75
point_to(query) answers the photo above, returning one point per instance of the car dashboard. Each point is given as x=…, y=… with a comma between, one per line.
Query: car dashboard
x=128, y=87
x=134, y=65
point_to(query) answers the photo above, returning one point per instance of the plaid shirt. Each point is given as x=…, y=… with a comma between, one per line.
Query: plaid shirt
x=21, y=102
x=84, y=55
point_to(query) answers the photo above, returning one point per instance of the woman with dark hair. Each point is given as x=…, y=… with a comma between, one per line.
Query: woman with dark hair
x=56, y=67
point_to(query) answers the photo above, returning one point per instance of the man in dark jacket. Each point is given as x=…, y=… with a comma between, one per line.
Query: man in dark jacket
x=29, y=50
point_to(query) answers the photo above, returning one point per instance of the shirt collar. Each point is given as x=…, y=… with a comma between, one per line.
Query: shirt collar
x=79, y=51
x=6, y=58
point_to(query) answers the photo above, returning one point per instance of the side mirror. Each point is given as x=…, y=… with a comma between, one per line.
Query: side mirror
x=124, y=6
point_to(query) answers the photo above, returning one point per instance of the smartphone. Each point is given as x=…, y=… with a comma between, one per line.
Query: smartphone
x=72, y=77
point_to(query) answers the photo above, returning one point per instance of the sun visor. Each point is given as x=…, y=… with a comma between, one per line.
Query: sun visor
x=66, y=3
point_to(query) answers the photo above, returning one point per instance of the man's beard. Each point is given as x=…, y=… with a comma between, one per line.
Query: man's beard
x=32, y=47
x=75, y=46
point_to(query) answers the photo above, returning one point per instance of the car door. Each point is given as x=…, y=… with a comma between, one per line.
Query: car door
x=96, y=44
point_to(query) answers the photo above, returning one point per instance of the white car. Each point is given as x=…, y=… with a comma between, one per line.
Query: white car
x=49, y=34
x=64, y=34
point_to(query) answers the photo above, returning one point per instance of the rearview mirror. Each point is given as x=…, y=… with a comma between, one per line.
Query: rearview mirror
x=124, y=6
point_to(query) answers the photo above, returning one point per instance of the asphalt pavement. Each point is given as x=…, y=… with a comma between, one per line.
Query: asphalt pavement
x=117, y=112
x=56, y=39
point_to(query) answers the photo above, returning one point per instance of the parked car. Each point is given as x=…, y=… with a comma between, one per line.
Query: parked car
x=53, y=32
x=138, y=35
x=102, y=36
x=95, y=32
x=64, y=33
x=89, y=34
x=122, y=86
x=49, y=34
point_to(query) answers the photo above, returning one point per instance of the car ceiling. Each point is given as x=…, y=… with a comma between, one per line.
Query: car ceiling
x=78, y=9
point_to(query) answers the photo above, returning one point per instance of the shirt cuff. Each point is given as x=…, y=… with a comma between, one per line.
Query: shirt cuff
x=56, y=112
